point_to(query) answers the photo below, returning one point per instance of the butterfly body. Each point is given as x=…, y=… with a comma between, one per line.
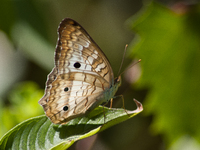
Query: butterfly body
x=82, y=77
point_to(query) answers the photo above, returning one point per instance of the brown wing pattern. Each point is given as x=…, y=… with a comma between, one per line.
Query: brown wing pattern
x=80, y=76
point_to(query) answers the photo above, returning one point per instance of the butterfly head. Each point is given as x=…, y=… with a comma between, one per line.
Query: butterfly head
x=117, y=82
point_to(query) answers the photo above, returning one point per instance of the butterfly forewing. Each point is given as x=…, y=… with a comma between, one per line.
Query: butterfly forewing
x=81, y=75
x=75, y=45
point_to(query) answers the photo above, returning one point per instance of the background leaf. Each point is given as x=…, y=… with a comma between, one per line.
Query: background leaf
x=22, y=97
x=170, y=50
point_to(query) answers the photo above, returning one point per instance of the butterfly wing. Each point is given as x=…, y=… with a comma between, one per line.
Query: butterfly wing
x=81, y=75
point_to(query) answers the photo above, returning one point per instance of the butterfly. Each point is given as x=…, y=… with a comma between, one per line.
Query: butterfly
x=82, y=77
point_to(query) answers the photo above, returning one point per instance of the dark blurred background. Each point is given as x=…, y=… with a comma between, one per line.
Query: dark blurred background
x=28, y=36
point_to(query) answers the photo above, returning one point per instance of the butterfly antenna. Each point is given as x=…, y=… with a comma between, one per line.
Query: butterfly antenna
x=122, y=59
x=130, y=66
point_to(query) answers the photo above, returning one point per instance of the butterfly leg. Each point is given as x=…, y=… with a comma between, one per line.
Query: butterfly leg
x=104, y=110
x=122, y=97
x=111, y=101
x=104, y=120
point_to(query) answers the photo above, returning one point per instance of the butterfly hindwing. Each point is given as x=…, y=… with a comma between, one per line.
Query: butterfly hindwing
x=71, y=96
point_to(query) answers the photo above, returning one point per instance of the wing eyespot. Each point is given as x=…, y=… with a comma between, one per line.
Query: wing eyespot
x=77, y=65
x=65, y=108
x=66, y=89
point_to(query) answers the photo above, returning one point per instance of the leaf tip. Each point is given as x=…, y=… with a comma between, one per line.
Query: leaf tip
x=139, y=105
x=138, y=109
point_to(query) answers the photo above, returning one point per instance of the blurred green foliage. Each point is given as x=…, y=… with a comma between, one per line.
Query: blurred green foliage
x=21, y=105
x=170, y=51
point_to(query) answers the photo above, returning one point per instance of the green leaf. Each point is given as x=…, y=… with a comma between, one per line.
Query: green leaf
x=22, y=98
x=40, y=133
x=170, y=50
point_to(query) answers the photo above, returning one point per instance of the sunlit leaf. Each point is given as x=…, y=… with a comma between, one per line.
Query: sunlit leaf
x=40, y=133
